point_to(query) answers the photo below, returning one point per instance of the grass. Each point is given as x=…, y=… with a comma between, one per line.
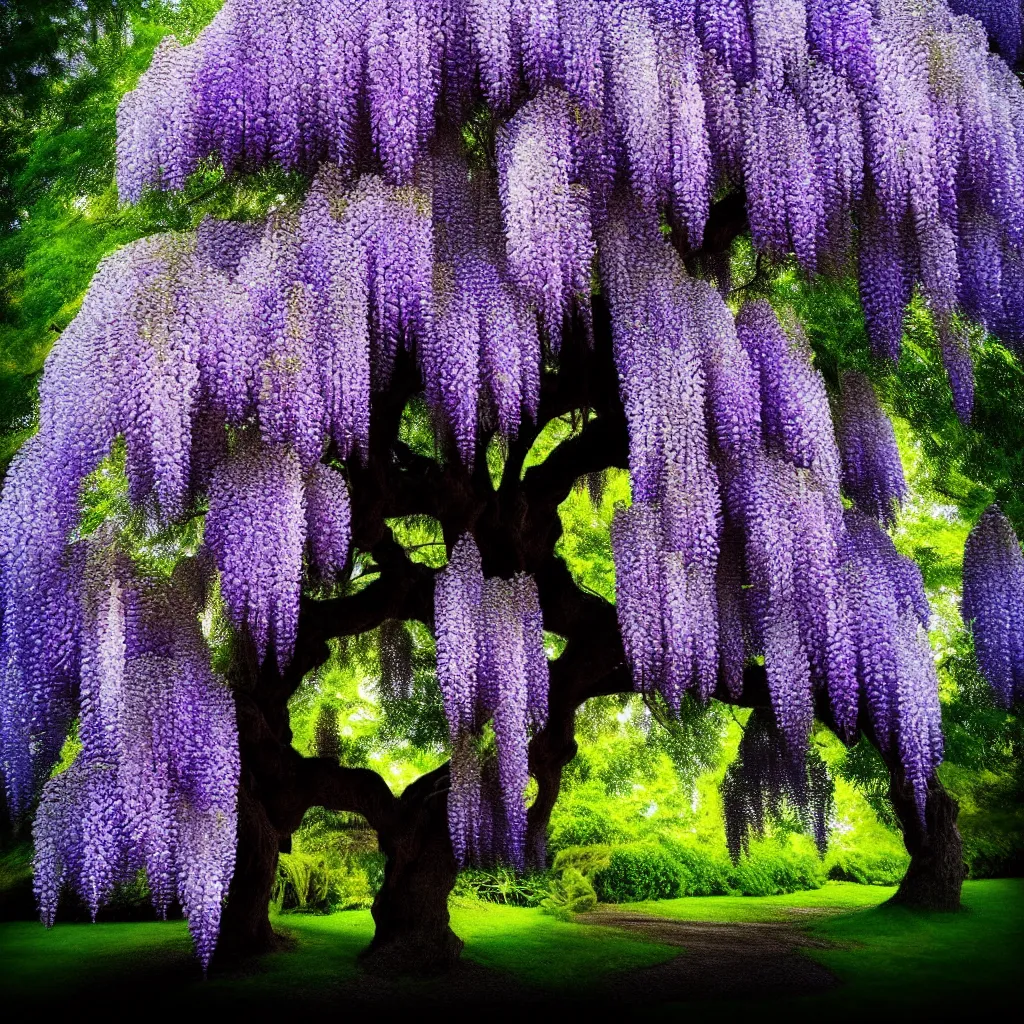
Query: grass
x=545, y=952
x=891, y=957
x=891, y=961
x=73, y=962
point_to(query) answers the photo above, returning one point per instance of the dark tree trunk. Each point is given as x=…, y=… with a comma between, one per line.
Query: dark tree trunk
x=245, y=925
x=413, y=932
x=937, y=870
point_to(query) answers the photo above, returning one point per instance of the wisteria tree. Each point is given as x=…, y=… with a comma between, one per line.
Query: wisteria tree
x=517, y=211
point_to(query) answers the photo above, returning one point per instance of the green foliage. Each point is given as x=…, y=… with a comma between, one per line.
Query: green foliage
x=309, y=883
x=502, y=885
x=704, y=870
x=771, y=869
x=641, y=871
x=570, y=894
x=685, y=866
x=867, y=867
x=587, y=860
x=422, y=538
x=984, y=768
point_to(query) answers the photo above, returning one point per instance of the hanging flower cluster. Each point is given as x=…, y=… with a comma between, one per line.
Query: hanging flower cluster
x=155, y=784
x=872, y=471
x=736, y=544
x=1003, y=20
x=993, y=602
x=182, y=348
x=765, y=778
x=492, y=669
x=832, y=114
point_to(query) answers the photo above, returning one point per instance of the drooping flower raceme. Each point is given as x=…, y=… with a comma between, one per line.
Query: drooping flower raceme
x=256, y=529
x=872, y=471
x=993, y=602
x=492, y=669
x=155, y=783
x=764, y=778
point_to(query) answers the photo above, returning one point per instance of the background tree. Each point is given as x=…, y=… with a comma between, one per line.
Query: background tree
x=545, y=182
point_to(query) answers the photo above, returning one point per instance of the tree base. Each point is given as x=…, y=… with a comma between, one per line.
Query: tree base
x=245, y=924
x=413, y=933
x=417, y=953
x=937, y=870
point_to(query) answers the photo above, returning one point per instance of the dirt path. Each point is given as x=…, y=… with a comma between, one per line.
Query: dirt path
x=715, y=961
x=731, y=960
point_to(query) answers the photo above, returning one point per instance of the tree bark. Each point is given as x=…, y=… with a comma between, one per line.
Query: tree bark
x=937, y=870
x=413, y=931
x=245, y=925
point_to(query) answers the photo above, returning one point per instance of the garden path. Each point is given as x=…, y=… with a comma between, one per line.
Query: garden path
x=716, y=961
x=719, y=959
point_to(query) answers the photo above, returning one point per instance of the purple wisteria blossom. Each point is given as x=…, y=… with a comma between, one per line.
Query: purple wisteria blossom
x=492, y=670
x=993, y=602
x=872, y=471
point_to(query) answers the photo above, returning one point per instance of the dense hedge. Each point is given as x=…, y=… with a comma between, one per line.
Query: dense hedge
x=651, y=871
x=639, y=871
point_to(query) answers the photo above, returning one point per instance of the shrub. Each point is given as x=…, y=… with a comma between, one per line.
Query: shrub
x=771, y=869
x=640, y=871
x=310, y=884
x=992, y=848
x=569, y=895
x=502, y=885
x=868, y=868
x=703, y=870
x=587, y=860
x=583, y=824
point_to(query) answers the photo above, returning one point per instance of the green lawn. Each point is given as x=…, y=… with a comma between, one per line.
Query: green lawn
x=75, y=961
x=889, y=960
x=892, y=957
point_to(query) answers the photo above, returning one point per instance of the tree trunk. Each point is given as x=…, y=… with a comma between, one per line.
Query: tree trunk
x=937, y=868
x=413, y=932
x=245, y=925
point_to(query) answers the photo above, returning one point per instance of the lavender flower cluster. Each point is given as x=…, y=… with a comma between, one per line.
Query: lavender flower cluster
x=765, y=778
x=993, y=602
x=872, y=472
x=492, y=669
x=183, y=349
x=1003, y=20
x=155, y=784
x=737, y=544
x=885, y=133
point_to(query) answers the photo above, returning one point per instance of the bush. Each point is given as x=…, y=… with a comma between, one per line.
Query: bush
x=992, y=848
x=772, y=870
x=587, y=860
x=569, y=895
x=640, y=871
x=310, y=884
x=868, y=868
x=502, y=885
x=703, y=871
x=583, y=824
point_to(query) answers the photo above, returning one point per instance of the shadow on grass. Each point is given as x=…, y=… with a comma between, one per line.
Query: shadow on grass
x=888, y=960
